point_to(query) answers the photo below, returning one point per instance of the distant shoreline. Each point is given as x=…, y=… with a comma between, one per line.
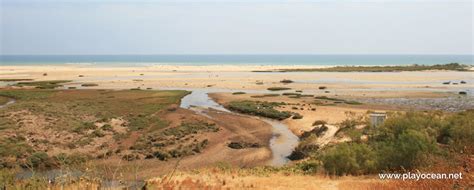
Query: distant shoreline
x=249, y=68
x=234, y=60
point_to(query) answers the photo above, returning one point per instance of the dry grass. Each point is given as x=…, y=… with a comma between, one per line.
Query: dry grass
x=4, y=100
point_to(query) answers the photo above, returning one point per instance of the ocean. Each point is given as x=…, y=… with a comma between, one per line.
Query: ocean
x=202, y=60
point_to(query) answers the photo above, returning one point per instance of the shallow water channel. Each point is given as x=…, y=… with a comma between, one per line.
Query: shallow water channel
x=282, y=143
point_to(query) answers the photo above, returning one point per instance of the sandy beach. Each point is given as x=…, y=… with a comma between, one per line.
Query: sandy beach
x=426, y=84
x=236, y=94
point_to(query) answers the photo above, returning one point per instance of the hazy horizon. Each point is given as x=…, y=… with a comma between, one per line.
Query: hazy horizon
x=237, y=27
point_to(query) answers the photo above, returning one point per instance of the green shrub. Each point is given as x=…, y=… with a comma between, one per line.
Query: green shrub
x=405, y=151
x=405, y=141
x=39, y=160
x=458, y=132
x=349, y=158
x=305, y=148
x=264, y=109
x=75, y=159
x=161, y=155
x=309, y=167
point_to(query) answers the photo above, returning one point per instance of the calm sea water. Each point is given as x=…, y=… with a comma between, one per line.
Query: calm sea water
x=146, y=60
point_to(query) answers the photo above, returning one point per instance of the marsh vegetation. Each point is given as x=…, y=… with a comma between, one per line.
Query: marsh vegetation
x=258, y=108
x=43, y=123
x=415, y=67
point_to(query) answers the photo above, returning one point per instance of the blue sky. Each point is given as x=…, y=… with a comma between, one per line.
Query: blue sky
x=236, y=27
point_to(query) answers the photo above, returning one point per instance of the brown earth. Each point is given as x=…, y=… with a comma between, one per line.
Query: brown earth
x=232, y=127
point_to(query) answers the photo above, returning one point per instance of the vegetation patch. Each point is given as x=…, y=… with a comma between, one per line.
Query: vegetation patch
x=242, y=145
x=328, y=98
x=415, y=67
x=291, y=94
x=337, y=100
x=278, y=88
x=77, y=121
x=404, y=142
x=89, y=84
x=174, y=142
x=286, y=81
x=190, y=128
x=297, y=116
x=51, y=84
x=265, y=95
x=238, y=93
x=305, y=148
x=258, y=108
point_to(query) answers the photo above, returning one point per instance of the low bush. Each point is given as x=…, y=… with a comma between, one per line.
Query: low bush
x=264, y=109
x=297, y=116
x=305, y=148
x=349, y=158
x=190, y=128
x=405, y=141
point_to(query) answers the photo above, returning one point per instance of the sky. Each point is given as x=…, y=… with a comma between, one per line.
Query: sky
x=68, y=27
